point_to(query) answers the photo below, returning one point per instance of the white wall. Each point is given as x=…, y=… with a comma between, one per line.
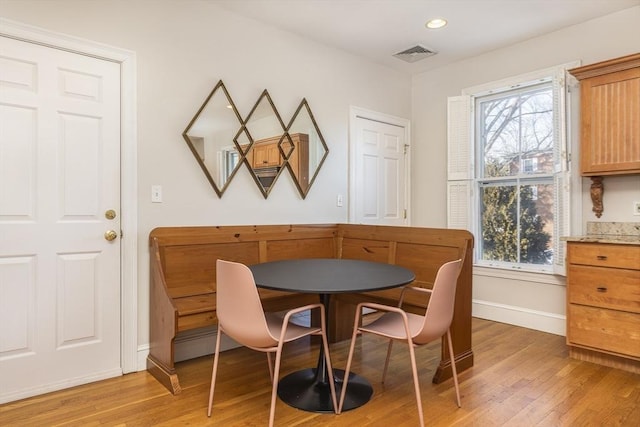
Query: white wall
x=533, y=300
x=183, y=48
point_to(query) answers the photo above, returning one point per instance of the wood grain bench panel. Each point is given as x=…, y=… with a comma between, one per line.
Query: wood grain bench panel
x=366, y=249
x=195, y=304
x=197, y=320
x=188, y=289
x=301, y=248
x=180, y=260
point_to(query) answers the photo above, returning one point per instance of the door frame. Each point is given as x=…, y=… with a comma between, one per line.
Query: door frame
x=128, y=168
x=363, y=113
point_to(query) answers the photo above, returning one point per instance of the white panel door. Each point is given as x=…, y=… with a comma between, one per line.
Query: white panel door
x=59, y=174
x=380, y=178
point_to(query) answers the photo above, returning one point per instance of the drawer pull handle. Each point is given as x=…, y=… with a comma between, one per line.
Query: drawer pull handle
x=601, y=257
x=601, y=289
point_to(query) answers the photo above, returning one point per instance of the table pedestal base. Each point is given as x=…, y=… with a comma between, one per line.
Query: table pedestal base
x=304, y=390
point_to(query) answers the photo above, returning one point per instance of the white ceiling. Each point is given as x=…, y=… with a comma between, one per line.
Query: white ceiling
x=377, y=29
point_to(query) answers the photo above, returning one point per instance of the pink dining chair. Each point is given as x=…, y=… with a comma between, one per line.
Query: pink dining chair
x=241, y=317
x=414, y=329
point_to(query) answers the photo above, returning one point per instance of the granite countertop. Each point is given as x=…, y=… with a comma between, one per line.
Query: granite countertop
x=604, y=238
x=626, y=233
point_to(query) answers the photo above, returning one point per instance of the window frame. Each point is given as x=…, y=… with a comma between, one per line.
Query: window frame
x=517, y=180
x=462, y=190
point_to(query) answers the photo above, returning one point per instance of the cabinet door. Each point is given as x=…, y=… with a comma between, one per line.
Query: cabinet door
x=265, y=155
x=260, y=158
x=611, y=123
x=601, y=329
x=273, y=155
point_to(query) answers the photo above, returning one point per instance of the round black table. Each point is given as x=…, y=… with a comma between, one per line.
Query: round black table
x=308, y=389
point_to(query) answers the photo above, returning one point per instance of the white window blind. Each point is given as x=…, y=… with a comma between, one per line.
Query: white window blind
x=562, y=178
x=459, y=162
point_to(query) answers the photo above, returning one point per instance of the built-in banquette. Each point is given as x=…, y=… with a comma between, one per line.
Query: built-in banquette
x=182, y=293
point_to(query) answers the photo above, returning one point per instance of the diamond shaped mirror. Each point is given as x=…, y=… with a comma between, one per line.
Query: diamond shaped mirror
x=210, y=136
x=304, y=148
x=263, y=156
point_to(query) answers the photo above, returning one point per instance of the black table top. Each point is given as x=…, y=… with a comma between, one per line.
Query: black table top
x=329, y=276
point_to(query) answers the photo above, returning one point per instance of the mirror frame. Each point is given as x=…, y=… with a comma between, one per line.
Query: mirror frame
x=283, y=135
x=303, y=192
x=219, y=190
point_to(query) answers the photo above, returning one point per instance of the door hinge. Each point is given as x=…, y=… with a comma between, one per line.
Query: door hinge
x=405, y=214
x=405, y=148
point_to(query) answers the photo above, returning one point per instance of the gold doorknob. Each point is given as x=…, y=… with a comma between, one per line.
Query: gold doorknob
x=110, y=235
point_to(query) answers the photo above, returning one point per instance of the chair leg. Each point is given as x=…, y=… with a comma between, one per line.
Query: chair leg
x=270, y=363
x=325, y=344
x=416, y=384
x=345, y=380
x=215, y=370
x=332, y=385
x=453, y=368
x=274, y=387
x=386, y=362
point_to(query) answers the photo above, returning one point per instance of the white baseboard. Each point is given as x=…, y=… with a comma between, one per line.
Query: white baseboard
x=533, y=319
x=143, y=352
x=60, y=385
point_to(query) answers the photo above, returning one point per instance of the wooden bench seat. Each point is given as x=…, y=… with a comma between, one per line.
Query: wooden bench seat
x=182, y=277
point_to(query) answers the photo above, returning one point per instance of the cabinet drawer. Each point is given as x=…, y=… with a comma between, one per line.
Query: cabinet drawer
x=602, y=329
x=604, y=287
x=604, y=255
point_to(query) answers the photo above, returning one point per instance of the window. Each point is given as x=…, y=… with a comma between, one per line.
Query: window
x=508, y=178
x=529, y=165
x=513, y=130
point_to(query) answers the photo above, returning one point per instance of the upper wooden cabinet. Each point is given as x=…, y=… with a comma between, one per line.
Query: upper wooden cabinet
x=610, y=116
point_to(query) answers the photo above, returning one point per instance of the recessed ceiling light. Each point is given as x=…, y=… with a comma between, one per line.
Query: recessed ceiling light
x=436, y=23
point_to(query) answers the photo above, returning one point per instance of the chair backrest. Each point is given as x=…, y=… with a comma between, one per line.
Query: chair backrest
x=440, y=309
x=238, y=306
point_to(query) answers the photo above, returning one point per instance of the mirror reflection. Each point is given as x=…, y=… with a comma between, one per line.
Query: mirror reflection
x=304, y=148
x=263, y=156
x=210, y=136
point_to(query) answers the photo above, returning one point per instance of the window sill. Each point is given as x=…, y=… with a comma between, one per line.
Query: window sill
x=526, y=276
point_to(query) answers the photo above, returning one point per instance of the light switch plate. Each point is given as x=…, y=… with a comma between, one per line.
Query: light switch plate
x=636, y=208
x=156, y=194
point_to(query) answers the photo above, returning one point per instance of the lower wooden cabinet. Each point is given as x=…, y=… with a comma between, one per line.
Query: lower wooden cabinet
x=603, y=303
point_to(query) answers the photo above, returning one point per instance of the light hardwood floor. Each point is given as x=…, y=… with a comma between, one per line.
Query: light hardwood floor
x=520, y=378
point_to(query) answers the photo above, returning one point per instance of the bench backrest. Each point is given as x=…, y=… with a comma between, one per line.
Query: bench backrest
x=187, y=255
x=422, y=250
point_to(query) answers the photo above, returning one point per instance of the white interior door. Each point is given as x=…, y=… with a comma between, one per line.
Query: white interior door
x=380, y=172
x=59, y=175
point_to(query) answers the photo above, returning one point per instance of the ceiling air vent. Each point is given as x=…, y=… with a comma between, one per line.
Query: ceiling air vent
x=415, y=54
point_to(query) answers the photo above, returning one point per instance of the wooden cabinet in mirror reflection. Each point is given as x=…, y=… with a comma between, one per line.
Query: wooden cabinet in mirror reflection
x=295, y=152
